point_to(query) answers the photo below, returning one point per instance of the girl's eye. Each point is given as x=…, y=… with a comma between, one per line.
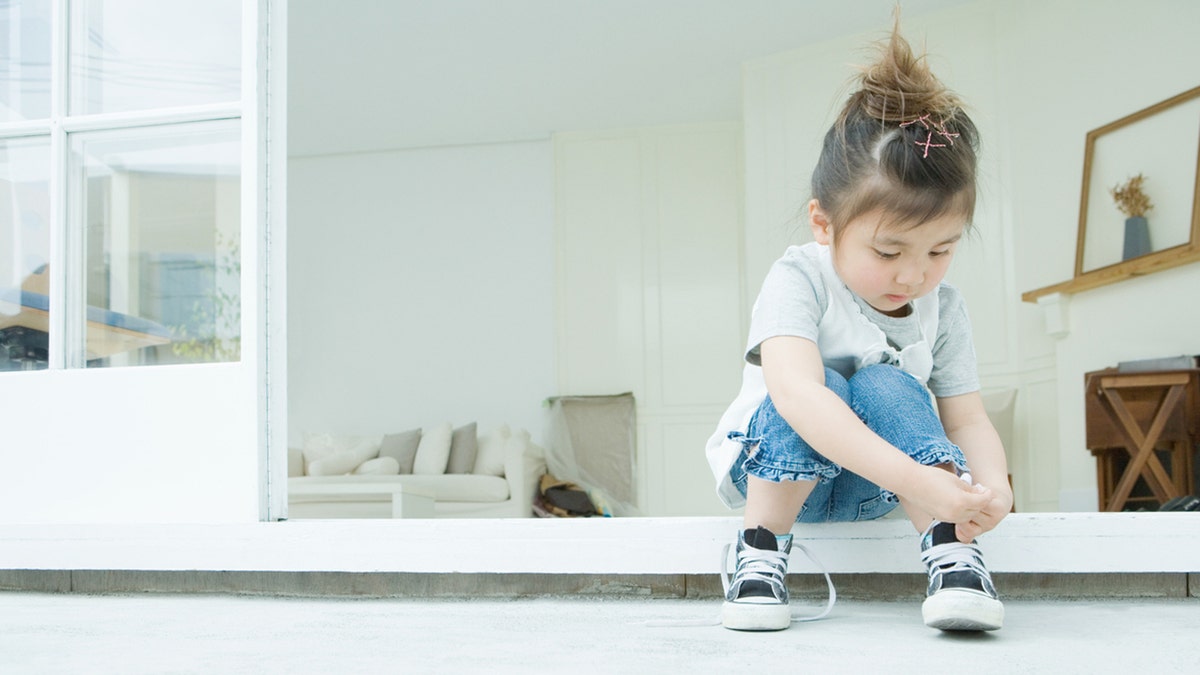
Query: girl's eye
x=934, y=254
x=886, y=256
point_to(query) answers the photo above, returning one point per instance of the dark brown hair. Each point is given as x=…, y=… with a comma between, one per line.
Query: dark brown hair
x=875, y=156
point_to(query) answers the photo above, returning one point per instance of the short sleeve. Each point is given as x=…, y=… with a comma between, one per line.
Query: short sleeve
x=791, y=302
x=955, y=368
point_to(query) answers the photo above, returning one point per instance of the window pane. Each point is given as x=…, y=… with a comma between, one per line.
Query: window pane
x=163, y=265
x=24, y=60
x=24, y=252
x=141, y=54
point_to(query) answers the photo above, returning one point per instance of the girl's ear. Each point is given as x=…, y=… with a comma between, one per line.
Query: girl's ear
x=819, y=221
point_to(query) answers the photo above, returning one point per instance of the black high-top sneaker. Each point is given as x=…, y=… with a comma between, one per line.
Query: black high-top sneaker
x=757, y=597
x=960, y=594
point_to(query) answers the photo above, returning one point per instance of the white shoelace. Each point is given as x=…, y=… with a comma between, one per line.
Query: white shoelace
x=956, y=557
x=754, y=564
x=762, y=570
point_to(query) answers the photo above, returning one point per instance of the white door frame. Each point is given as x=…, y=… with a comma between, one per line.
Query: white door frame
x=268, y=72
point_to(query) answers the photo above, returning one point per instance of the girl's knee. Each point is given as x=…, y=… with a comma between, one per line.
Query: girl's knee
x=882, y=377
x=881, y=390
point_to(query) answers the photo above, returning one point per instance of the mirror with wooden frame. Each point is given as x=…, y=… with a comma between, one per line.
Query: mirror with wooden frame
x=1139, y=211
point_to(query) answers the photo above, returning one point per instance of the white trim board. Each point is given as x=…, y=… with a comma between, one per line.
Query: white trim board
x=1035, y=543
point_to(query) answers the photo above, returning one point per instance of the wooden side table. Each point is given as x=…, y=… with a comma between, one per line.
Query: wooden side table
x=1136, y=416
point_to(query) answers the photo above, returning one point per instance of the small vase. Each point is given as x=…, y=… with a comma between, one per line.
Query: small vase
x=1137, y=237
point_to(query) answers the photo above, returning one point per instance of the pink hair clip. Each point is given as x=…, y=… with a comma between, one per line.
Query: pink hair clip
x=941, y=129
x=928, y=143
x=923, y=120
x=932, y=127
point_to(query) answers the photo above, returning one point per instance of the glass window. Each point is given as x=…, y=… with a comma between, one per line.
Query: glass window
x=24, y=60
x=24, y=253
x=150, y=214
x=141, y=54
x=161, y=211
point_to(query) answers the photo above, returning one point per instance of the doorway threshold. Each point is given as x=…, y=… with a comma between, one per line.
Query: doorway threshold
x=1050, y=543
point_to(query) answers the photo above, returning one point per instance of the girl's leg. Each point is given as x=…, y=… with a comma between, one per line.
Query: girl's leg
x=774, y=505
x=960, y=595
x=780, y=469
x=898, y=408
x=778, y=472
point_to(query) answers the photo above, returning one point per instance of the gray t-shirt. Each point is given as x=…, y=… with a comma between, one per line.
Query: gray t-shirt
x=794, y=299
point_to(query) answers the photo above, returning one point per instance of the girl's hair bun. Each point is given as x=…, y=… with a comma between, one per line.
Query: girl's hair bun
x=899, y=86
x=902, y=144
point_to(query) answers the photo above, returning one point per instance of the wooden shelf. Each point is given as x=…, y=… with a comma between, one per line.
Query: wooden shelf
x=1154, y=262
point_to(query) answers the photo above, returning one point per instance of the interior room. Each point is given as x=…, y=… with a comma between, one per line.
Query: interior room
x=493, y=205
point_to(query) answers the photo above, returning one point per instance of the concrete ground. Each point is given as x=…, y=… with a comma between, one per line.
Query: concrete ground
x=170, y=633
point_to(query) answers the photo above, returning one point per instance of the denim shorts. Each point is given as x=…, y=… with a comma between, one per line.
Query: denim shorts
x=890, y=402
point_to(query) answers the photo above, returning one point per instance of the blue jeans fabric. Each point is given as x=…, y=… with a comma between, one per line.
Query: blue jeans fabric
x=890, y=402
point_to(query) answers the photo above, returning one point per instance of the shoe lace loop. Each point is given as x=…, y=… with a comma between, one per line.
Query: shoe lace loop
x=956, y=557
x=771, y=567
x=755, y=564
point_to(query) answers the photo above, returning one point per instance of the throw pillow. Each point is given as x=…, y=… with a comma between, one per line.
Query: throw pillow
x=464, y=446
x=489, y=461
x=337, y=464
x=314, y=447
x=433, y=452
x=401, y=447
x=380, y=466
x=321, y=446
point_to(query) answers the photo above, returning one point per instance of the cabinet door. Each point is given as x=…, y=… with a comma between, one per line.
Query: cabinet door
x=649, y=246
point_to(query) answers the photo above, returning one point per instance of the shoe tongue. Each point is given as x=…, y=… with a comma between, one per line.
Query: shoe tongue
x=943, y=533
x=762, y=539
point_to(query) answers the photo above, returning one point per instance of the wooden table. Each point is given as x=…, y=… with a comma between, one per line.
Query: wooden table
x=1143, y=418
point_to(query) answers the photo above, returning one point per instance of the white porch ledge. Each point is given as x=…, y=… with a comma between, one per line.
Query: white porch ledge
x=1034, y=543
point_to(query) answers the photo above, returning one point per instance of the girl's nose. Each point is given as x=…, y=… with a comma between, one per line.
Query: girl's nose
x=912, y=274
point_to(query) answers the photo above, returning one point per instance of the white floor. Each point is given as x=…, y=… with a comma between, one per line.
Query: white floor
x=72, y=633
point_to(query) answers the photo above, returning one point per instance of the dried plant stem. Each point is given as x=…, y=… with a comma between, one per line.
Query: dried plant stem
x=1130, y=198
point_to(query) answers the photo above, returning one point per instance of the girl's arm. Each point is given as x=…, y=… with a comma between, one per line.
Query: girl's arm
x=968, y=426
x=795, y=377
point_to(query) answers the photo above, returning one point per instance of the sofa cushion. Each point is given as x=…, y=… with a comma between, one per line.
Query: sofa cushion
x=401, y=447
x=433, y=452
x=489, y=461
x=463, y=448
x=337, y=464
x=381, y=466
x=319, y=446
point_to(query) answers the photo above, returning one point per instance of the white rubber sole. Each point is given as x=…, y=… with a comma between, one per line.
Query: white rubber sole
x=954, y=609
x=750, y=615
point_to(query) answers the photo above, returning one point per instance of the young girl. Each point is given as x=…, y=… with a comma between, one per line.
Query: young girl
x=849, y=337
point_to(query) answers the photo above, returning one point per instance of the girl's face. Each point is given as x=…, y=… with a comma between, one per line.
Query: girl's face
x=885, y=265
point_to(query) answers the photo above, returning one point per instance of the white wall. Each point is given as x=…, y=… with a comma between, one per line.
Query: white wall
x=421, y=289
x=185, y=455
x=1073, y=66
x=649, y=225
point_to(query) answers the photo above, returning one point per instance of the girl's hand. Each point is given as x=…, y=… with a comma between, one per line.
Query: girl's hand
x=988, y=517
x=944, y=496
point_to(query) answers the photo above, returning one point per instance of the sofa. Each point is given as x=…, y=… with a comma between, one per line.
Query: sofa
x=436, y=472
